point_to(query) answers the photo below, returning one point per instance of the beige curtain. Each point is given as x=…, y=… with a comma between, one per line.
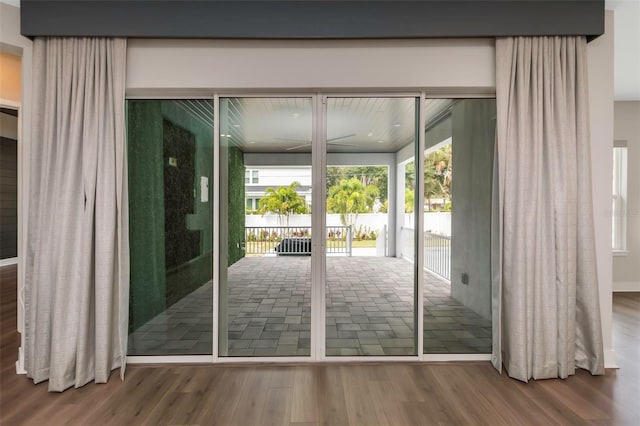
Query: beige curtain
x=77, y=268
x=546, y=304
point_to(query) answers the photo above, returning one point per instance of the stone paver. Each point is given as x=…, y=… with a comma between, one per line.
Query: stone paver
x=370, y=312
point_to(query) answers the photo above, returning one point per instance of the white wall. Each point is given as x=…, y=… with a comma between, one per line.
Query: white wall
x=439, y=222
x=626, y=49
x=600, y=58
x=309, y=64
x=626, y=269
x=473, y=139
x=375, y=221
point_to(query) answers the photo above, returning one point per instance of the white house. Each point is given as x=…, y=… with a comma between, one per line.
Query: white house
x=258, y=179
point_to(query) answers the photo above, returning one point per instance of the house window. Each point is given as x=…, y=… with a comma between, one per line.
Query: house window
x=251, y=177
x=252, y=204
x=619, y=202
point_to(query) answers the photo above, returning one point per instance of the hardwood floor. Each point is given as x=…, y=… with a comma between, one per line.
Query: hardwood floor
x=364, y=394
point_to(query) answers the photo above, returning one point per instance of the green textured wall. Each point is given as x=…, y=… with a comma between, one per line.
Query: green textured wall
x=153, y=288
x=236, y=205
x=146, y=212
x=185, y=278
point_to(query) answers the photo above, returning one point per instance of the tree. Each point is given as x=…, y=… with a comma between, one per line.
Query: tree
x=432, y=187
x=283, y=201
x=350, y=197
x=410, y=175
x=409, y=200
x=377, y=176
x=439, y=171
x=438, y=175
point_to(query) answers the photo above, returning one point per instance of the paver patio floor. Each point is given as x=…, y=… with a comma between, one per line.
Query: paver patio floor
x=370, y=311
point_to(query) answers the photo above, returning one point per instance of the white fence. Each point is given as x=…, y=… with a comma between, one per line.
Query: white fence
x=438, y=223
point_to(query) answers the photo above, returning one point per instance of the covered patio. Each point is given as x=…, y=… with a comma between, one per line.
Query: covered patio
x=370, y=311
x=265, y=267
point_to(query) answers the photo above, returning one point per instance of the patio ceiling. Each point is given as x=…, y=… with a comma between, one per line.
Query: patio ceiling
x=354, y=125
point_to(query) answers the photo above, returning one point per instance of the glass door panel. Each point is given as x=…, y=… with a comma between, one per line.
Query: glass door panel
x=265, y=227
x=170, y=163
x=370, y=235
x=457, y=223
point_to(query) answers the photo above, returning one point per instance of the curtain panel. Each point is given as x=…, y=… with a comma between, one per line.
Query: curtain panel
x=77, y=271
x=545, y=294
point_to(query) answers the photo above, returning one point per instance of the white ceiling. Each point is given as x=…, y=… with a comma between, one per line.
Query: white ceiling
x=267, y=124
x=353, y=124
x=626, y=15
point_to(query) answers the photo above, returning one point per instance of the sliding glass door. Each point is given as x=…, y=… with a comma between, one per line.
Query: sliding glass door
x=170, y=167
x=318, y=227
x=460, y=134
x=265, y=227
x=371, y=278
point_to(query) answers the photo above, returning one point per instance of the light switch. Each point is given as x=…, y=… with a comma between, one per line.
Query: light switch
x=204, y=189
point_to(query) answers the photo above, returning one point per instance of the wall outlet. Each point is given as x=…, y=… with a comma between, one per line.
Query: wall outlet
x=465, y=278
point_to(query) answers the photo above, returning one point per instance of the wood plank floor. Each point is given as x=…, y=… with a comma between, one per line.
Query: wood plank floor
x=364, y=394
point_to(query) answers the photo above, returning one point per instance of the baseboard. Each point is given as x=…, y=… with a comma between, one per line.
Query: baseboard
x=20, y=362
x=9, y=261
x=610, y=359
x=626, y=286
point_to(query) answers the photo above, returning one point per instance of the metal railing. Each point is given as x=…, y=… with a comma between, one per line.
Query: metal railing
x=407, y=244
x=339, y=239
x=294, y=240
x=437, y=254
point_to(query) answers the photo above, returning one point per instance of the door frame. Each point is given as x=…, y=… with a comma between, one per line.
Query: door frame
x=7, y=104
x=318, y=257
x=313, y=97
x=418, y=280
x=318, y=222
x=18, y=261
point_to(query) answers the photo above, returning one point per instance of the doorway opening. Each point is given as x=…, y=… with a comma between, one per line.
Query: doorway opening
x=310, y=227
x=9, y=188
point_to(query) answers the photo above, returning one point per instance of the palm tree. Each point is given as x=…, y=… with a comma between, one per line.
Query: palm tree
x=438, y=175
x=283, y=201
x=442, y=169
x=349, y=198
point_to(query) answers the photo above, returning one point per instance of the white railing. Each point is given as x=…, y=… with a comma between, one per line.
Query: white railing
x=437, y=254
x=407, y=244
x=294, y=240
x=437, y=251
